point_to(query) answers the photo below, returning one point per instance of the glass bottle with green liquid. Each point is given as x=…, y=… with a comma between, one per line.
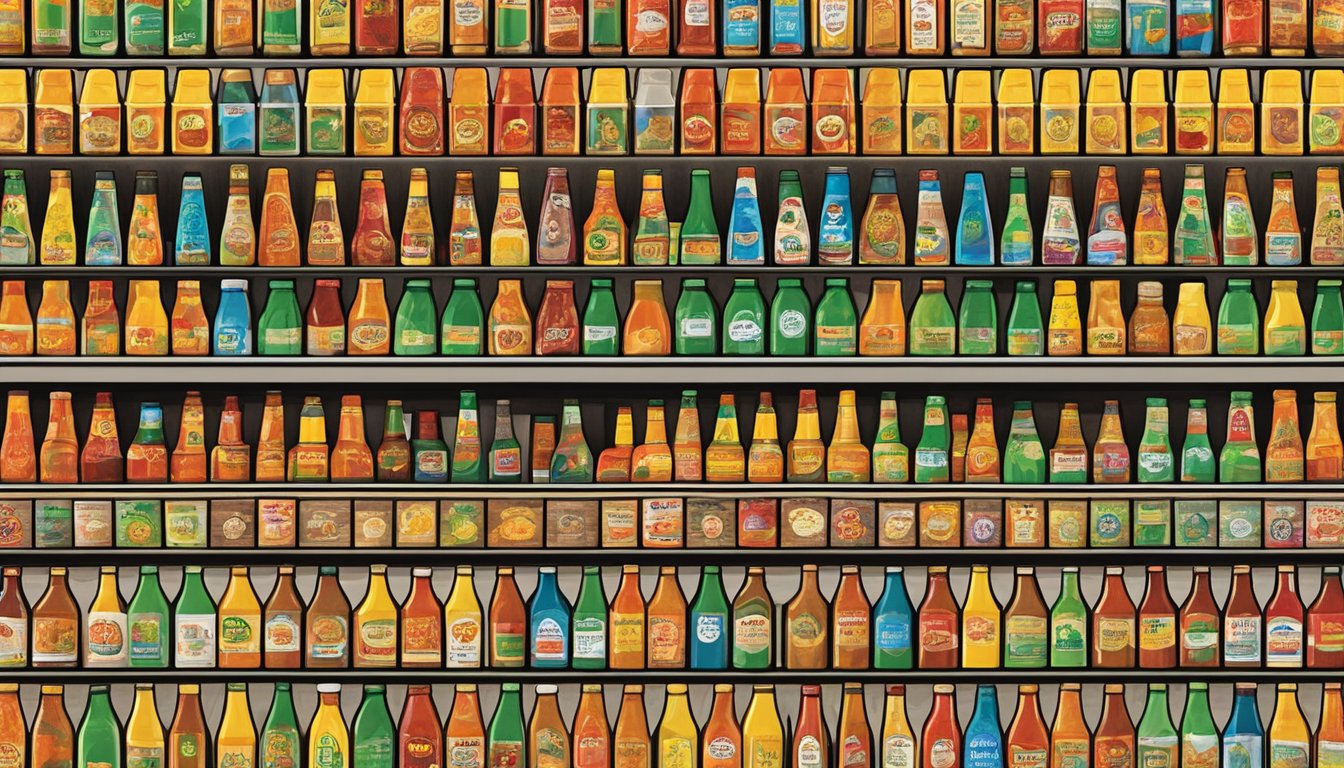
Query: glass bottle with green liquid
x=1155, y=457
x=147, y=622
x=1023, y=454
x=790, y=318
x=590, y=622
x=891, y=459
x=1239, y=461
x=1199, y=736
x=836, y=327
x=373, y=736
x=932, y=459
x=1197, y=462
x=17, y=244
x=280, y=329
x=572, y=461
x=1327, y=319
x=978, y=324
x=280, y=734
x=1156, y=742
x=1238, y=320
x=699, y=241
x=99, y=29
x=460, y=328
x=504, y=738
x=1068, y=623
x=1026, y=329
x=1018, y=239
x=933, y=326
x=601, y=320
x=697, y=320
x=414, y=331
x=709, y=612
x=744, y=319
x=468, y=458
x=99, y=739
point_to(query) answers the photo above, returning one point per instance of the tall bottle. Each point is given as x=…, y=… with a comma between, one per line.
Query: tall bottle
x=328, y=736
x=1199, y=736
x=699, y=239
x=189, y=740
x=1289, y=735
x=1157, y=741
x=1244, y=735
x=99, y=737
x=984, y=744
x=793, y=239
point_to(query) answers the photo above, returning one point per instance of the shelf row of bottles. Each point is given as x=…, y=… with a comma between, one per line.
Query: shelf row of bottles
x=745, y=324
x=877, y=235
x=753, y=630
x=761, y=739
x=702, y=28
x=567, y=457
x=814, y=112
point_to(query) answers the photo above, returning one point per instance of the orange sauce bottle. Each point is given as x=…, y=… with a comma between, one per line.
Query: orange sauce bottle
x=785, y=113
x=468, y=113
x=881, y=110
x=742, y=112
x=648, y=331
x=515, y=113
x=18, y=455
x=55, y=320
x=279, y=234
x=369, y=328
x=420, y=111
x=16, y=321
x=699, y=119
x=560, y=111
x=146, y=322
x=189, y=328
x=510, y=331
x=832, y=112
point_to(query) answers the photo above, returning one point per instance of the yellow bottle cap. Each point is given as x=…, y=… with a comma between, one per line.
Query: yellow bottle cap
x=1281, y=86
x=883, y=86
x=1234, y=86
x=55, y=86
x=926, y=87
x=1148, y=86
x=1016, y=87
x=742, y=85
x=973, y=86
x=326, y=86
x=608, y=86
x=147, y=86
x=1060, y=86
x=376, y=86
x=14, y=86
x=193, y=87
x=470, y=85
x=100, y=87
x=1103, y=87
x=1192, y=87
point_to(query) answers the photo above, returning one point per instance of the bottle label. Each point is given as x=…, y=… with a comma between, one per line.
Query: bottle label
x=898, y=751
x=810, y=754
x=143, y=757
x=1247, y=750
x=1289, y=754
x=590, y=638
x=1158, y=751
x=743, y=329
x=1070, y=753
x=195, y=639
x=1283, y=641
x=697, y=327
x=1068, y=633
x=282, y=633
x=1114, y=752
x=751, y=633
x=708, y=627
x=328, y=639
x=378, y=642
x=1114, y=635
x=893, y=632
x=465, y=751
x=1329, y=754
x=1241, y=643
x=146, y=632
x=1157, y=633
x=1024, y=640
x=1200, y=750
x=1018, y=757
x=106, y=644
x=548, y=641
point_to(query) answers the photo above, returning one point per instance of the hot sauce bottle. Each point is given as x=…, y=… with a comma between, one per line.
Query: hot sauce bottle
x=278, y=238
x=939, y=623
x=376, y=27
x=1114, y=642
x=515, y=113
x=421, y=111
x=699, y=118
x=1199, y=620
x=468, y=113
x=940, y=741
x=1284, y=643
x=560, y=111
x=372, y=244
x=1157, y=623
x=1325, y=624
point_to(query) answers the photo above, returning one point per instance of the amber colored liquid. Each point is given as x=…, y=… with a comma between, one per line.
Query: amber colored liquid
x=188, y=724
x=1069, y=738
x=1149, y=329
x=280, y=649
x=464, y=734
x=1325, y=624
x=1199, y=609
x=592, y=737
x=546, y=727
x=1113, y=627
x=939, y=626
x=851, y=628
x=854, y=738
x=419, y=736
x=1027, y=732
x=626, y=624
x=1026, y=613
x=812, y=737
x=188, y=462
x=18, y=456
x=630, y=741
x=14, y=612
x=421, y=622
x=327, y=626
x=508, y=624
x=1241, y=604
x=666, y=619
x=721, y=730
x=56, y=624
x=1157, y=625
x=1113, y=742
x=53, y=744
x=806, y=620
x=13, y=735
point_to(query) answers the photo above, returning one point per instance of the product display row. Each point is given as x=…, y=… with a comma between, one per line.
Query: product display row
x=753, y=630
x=200, y=120
x=761, y=739
x=746, y=325
x=725, y=458
x=702, y=28
x=848, y=229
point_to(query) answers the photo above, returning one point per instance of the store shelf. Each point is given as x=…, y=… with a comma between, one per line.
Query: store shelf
x=446, y=557
x=645, y=490
x=752, y=372
x=908, y=62
x=674, y=272
x=357, y=677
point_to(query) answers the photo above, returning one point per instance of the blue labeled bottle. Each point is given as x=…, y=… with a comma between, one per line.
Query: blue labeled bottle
x=742, y=27
x=1194, y=27
x=237, y=113
x=709, y=622
x=1244, y=736
x=192, y=245
x=983, y=745
x=102, y=241
x=1148, y=31
x=548, y=617
x=787, y=27
x=975, y=233
x=233, y=320
x=746, y=242
x=893, y=616
x=835, y=236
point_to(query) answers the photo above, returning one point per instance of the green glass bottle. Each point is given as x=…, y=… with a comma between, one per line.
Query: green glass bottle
x=572, y=461
x=147, y=622
x=601, y=320
x=413, y=329
x=280, y=329
x=1068, y=623
x=1238, y=320
x=1026, y=331
x=590, y=622
x=1327, y=319
x=1199, y=736
x=709, y=638
x=836, y=330
x=933, y=326
x=506, y=455
x=194, y=622
x=744, y=319
x=1157, y=743
x=699, y=238
x=1155, y=457
x=99, y=30
x=17, y=245
x=891, y=459
x=978, y=325
x=1017, y=243
x=790, y=315
x=373, y=736
x=1197, y=463
x=1239, y=461
x=279, y=745
x=99, y=740
x=461, y=328
x=932, y=464
x=1023, y=454
x=753, y=623
x=504, y=739
x=697, y=320
x=468, y=458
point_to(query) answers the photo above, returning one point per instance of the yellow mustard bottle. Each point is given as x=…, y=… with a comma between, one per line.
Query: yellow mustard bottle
x=1236, y=113
x=762, y=731
x=1064, y=334
x=1326, y=114
x=193, y=113
x=1281, y=112
x=13, y=112
x=1192, y=329
x=144, y=731
x=1017, y=112
x=1148, y=112
x=1285, y=330
x=972, y=113
x=236, y=741
x=328, y=738
x=1192, y=113
x=1059, y=112
x=980, y=623
x=58, y=224
x=100, y=114
x=375, y=104
x=677, y=737
x=1106, y=130
x=54, y=113
x=146, y=105
x=146, y=320
x=926, y=113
